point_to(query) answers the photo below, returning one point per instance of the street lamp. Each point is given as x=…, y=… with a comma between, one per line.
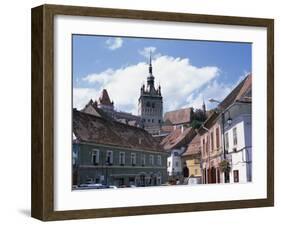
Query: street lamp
x=214, y=101
x=229, y=120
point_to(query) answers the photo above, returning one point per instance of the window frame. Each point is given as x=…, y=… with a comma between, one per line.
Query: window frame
x=151, y=159
x=217, y=138
x=159, y=160
x=143, y=159
x=95, y=152
x=236, y=176
x=110, y=162
x=133, y=158
x=235, y=137
x=226, y=141
x=122, y=158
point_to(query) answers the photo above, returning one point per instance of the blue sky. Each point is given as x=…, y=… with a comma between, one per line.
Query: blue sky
x=187, y=70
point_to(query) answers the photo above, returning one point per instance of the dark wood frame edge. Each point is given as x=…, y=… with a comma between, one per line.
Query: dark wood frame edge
x=42, y=197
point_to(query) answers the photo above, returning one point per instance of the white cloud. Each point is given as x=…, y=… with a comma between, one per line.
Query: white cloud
x=212, y=89
x=179, y=79
x=100, y=78
x=114, y=43
x=81, y=96
x=147, y=50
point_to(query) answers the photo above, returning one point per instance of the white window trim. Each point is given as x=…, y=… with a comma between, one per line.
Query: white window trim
x=122, y=159
x=143, y=159
x=133, y=159
x=97, y=152
x=159, y=160
x=226, y=137
x=111, y=156
x=151, y=159
x=234, y=129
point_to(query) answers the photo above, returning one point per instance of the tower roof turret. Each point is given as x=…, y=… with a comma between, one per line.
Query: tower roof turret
x=104, y=98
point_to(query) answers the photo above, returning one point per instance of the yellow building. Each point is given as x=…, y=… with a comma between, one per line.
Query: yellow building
x=192, y=157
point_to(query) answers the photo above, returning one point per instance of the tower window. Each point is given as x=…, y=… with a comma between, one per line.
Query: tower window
x=152, y=120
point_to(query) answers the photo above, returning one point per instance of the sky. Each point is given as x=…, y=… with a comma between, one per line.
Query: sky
x=188, y=71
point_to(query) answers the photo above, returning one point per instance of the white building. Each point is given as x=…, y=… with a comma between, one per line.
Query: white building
x=175, y=144
x=238, y=141
x=174, y=167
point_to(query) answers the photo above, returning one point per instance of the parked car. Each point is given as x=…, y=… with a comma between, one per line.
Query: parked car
x=112, y=186
x=92, y=186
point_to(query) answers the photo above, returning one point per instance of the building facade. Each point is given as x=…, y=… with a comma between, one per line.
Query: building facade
x=175, y=144
x=212, y=150
x=175, y=166
x=150, y=105
x=226, y=138
x=191, y=158
x=238, y=137
x=113, y=153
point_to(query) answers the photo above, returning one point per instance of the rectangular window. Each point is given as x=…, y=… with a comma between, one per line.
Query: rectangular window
x=133, y=159
x=204, y=148
x=151, y=160
x=169, y=164
x=122, y=158
x=109, y=157
x=177, y=164
x=143, y=159
x=217, y=137
x=207, y=144
x=212, y=141
x=226, y=142
x=95, y=157
x=236, y=176
x=159, y=160
x=234, y=131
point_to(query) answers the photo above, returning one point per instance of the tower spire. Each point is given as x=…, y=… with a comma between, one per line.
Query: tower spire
x=150, y=64
x=204, y=106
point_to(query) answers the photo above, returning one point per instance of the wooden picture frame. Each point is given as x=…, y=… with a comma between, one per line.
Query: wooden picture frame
x=42, y=203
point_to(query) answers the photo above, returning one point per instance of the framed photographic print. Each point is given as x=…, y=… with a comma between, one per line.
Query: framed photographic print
x=142, y=112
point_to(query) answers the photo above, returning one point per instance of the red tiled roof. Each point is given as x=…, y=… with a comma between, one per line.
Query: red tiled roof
x=178, y=138
x=193, y=147
x=94, y=129
x=167, y=128
x=180, y=116
x=92, y=109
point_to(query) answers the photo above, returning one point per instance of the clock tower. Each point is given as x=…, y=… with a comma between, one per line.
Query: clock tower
x=150, y=106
